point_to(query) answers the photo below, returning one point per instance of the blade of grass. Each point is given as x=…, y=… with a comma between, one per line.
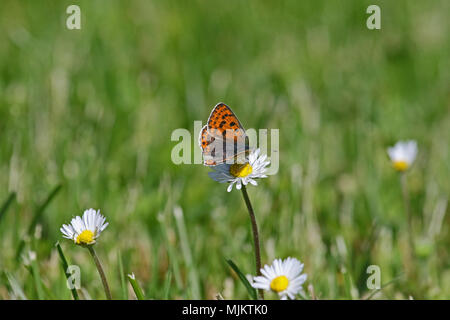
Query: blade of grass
x=154, y=267
x=187, y=254
x=65, y=266
x=34, y=269
x=173, y=256
x=350, y=289
x=136, y=287
x=6, y=204
x=85, y=294
x=48, y=293
x=37, y=216
x=384, y=286
x=45, y=289
x=123, y=284
x=15, y=286
x=167, y=285
x=250, y=289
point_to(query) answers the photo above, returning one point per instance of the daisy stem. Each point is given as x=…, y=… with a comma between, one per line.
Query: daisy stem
x=255, y=235
x=408, y=212
x=100, y=271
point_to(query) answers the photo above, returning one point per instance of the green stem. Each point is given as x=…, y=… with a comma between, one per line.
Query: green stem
x=65, y=267
x=100, y=272
x=255, y=235
x=136, y=287
x=408, y=212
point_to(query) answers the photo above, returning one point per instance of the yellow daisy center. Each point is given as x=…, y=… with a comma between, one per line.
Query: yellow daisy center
x=279, y=283
x=400, y=165
x=241, y=170
x=86, y=237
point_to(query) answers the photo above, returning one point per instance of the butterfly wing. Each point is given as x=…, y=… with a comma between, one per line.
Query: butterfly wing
x=205, y=140
x=223, y=119
x=224, y=138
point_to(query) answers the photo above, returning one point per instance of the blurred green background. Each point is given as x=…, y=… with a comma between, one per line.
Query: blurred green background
x=93, y=110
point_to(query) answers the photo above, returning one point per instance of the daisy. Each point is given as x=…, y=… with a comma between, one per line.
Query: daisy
x=241, y=174
x=282, y=277
x=85, y=230
x=403, y=154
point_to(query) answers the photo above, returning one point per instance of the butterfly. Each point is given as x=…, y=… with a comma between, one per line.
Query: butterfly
x=223, y=139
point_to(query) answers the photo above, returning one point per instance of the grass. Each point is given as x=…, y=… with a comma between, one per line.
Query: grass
x=93, y=111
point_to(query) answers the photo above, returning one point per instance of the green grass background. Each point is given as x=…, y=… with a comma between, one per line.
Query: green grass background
x=94, y=109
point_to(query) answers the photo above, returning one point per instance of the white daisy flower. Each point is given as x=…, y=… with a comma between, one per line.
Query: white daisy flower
x=85, y=230
x=282, y=277
x=241, y=174
x=403, y=154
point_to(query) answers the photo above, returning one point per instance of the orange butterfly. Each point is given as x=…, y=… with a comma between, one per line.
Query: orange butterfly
x=223, y=139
